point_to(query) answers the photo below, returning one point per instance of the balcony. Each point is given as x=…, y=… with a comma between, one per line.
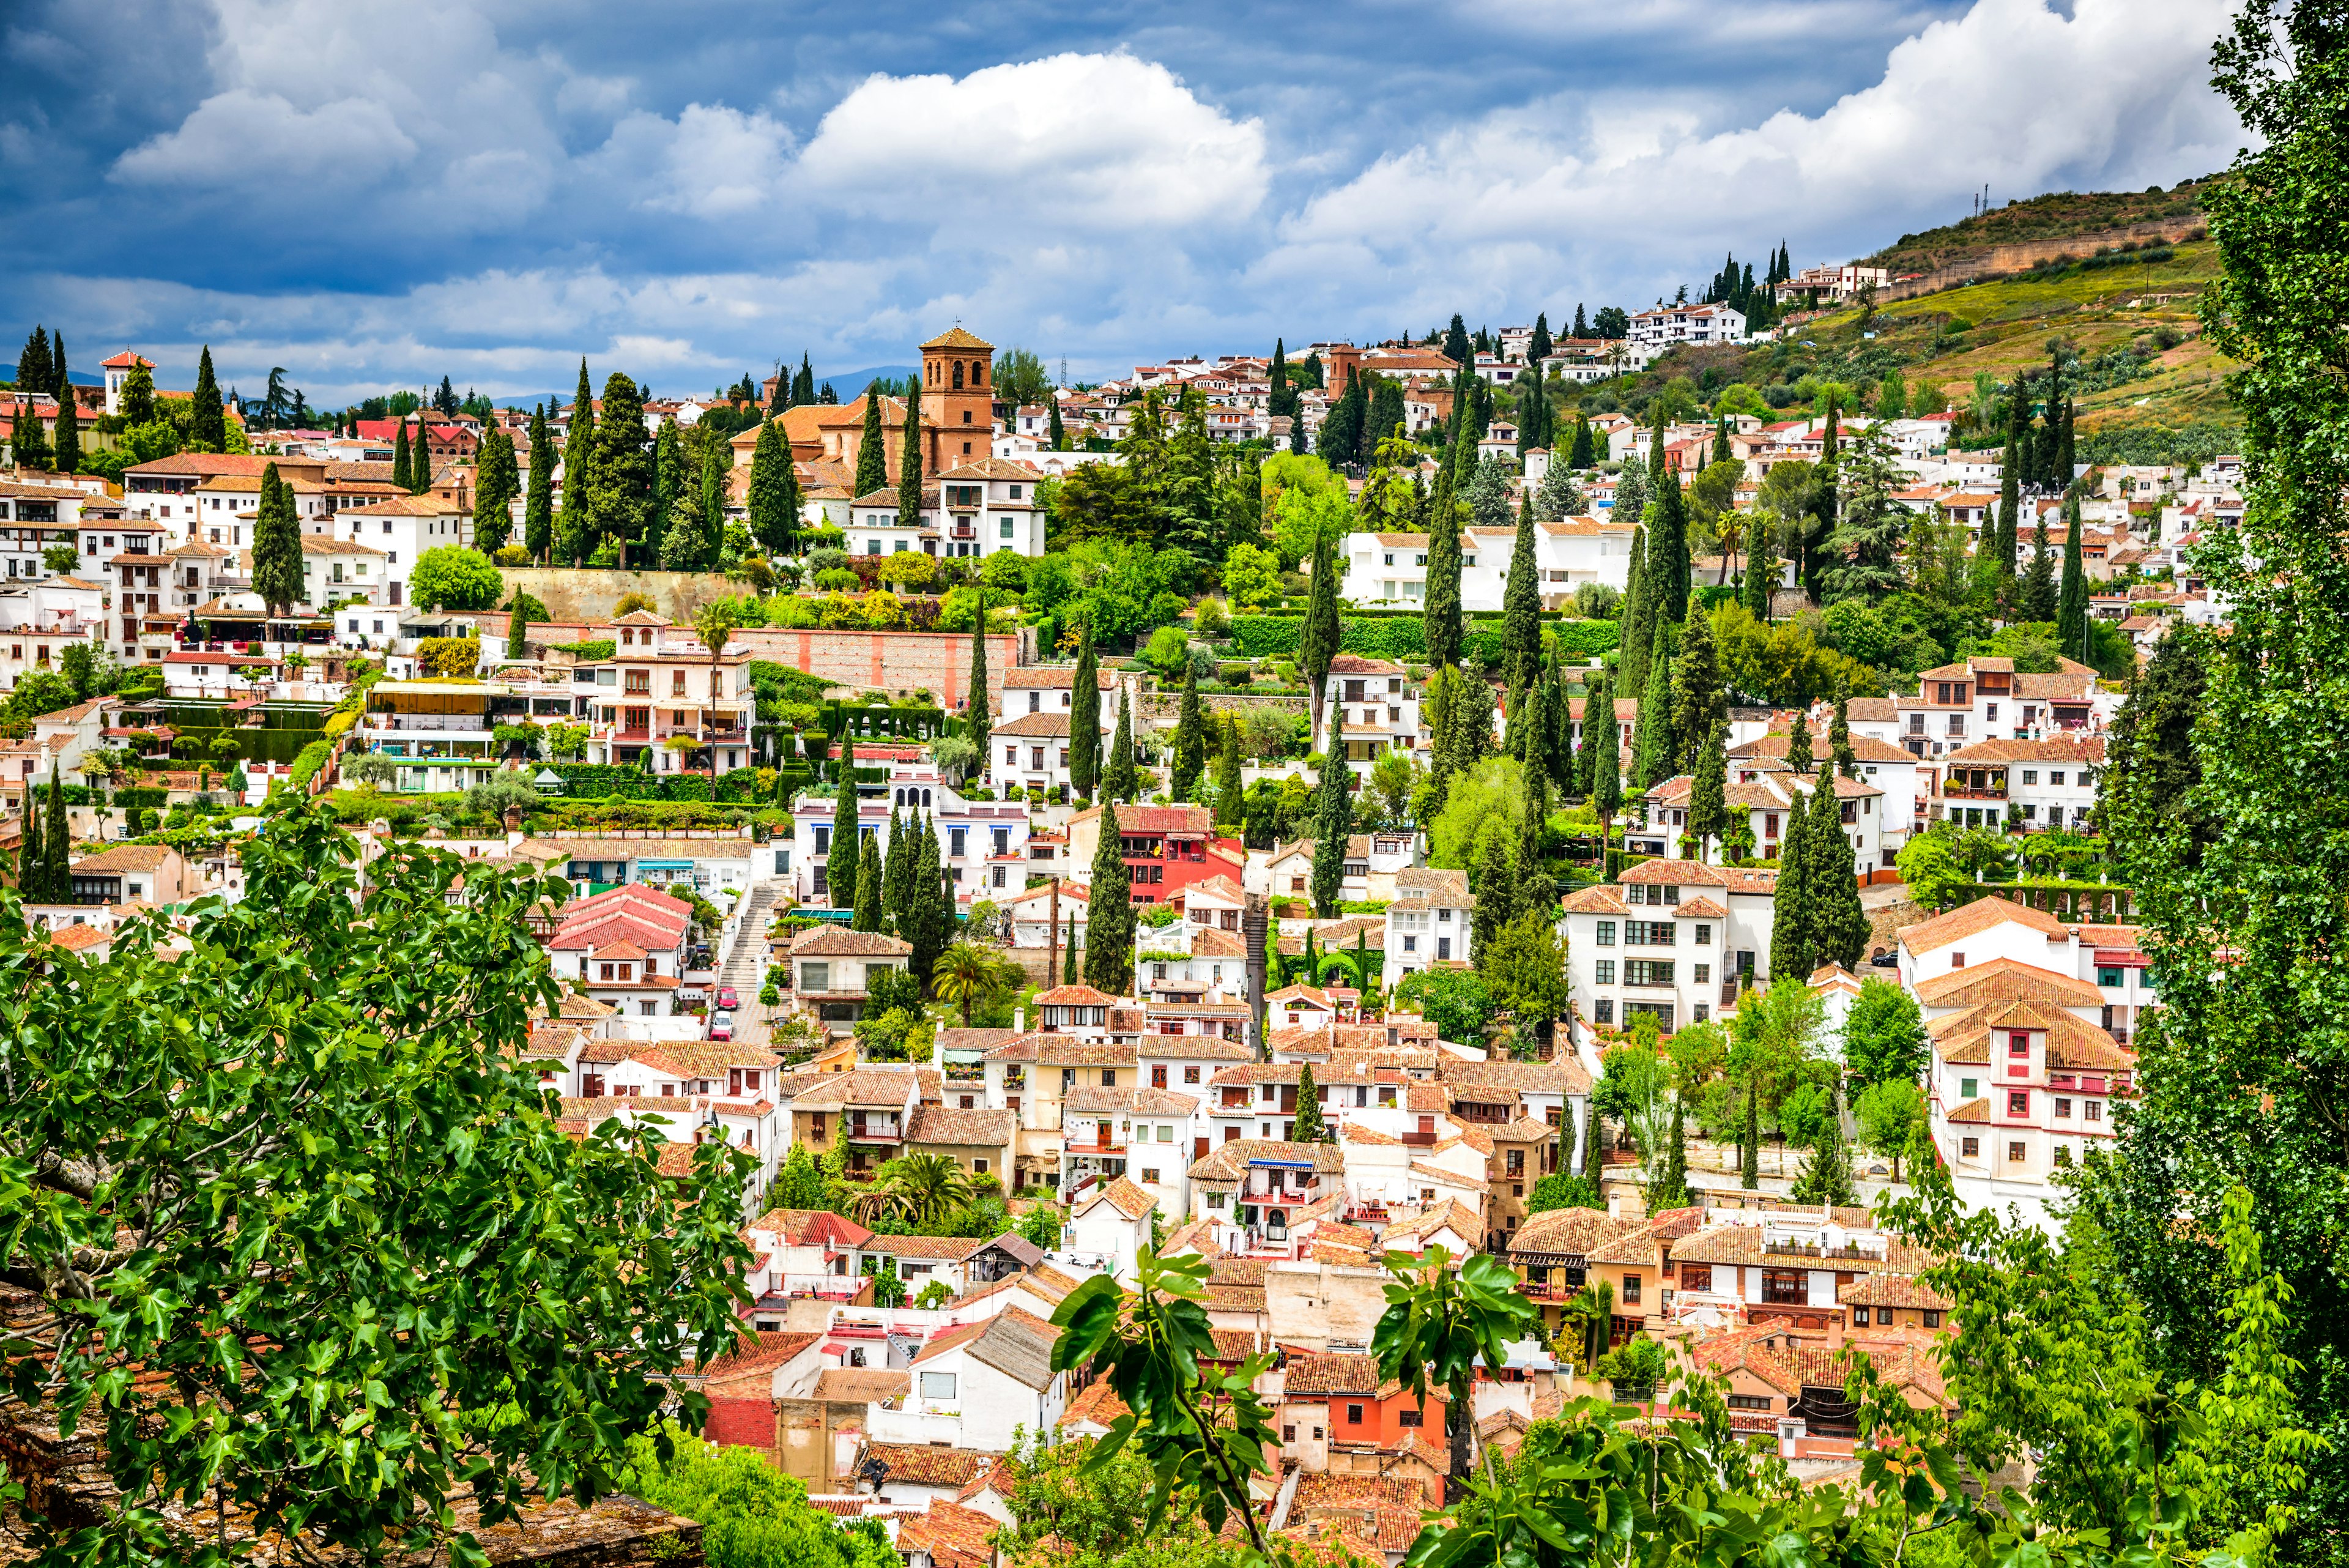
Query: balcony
x=1779, y=1247
x=467, y=722
x=1965, y=792
x=877, y=1130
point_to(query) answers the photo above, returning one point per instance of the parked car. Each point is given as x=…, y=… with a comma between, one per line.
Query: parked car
x=722, y=1026
x=727, y=1001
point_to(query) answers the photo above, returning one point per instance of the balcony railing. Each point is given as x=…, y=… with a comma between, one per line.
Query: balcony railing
x=382, y=721
x=876, y=1132
x=1777, y=1248
x=1963, y=792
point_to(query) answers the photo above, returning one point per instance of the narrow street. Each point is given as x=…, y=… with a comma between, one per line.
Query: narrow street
x=744, y=968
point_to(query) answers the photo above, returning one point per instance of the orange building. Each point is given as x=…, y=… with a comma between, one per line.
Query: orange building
x=958, y=416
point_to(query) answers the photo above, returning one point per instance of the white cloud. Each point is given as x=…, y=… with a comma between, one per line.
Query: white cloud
x=233, y=134
x=708, y=163
x=1094, y=143
x=2011, y=92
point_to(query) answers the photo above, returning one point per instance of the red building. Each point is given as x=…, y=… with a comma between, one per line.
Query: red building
x=1167, y=848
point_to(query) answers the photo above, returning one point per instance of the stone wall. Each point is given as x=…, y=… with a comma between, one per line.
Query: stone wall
x=895, y=662
x=587, y=593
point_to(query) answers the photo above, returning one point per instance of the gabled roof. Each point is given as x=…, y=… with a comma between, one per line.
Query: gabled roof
x=956, y=337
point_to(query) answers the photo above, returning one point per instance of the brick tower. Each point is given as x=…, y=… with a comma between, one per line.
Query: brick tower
x=958, y=399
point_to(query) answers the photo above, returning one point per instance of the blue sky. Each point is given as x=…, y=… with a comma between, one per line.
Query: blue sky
x=374, y=195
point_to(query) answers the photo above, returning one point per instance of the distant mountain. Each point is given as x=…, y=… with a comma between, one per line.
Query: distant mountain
x=850, y=384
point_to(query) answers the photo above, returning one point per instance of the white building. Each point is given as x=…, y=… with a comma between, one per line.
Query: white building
x=1671, y=938
x=974, y=509
x=1389, y=570
x=976, y=1386
x=1427, y=923
x=982, y=845
x=2035, y=786
x=1668, y=327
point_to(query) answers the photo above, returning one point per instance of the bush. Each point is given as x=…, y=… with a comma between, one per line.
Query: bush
x=593, y=652
x=452, y=576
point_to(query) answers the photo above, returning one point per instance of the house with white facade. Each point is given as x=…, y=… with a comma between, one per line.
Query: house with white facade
x=973, y=509
x=1427, y=923
x=1668, y=327
x=982, y=845
x=2035, y=786
x=1672, y=939
x=1389, y=570
x=976, y=1386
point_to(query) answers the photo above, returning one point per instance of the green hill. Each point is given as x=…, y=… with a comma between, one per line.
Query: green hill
x=2057, y=216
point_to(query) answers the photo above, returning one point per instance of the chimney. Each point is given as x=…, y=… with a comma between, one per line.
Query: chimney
x=1020, y=1020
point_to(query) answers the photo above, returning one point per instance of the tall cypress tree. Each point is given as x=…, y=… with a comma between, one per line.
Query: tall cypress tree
x=1229, y=792
x=35, y=371
x=573, y=534
x=28, y=438
x=909, y=464
x=207, y=423
x=1652, y=748
x=1672, y=1189
x=32, y=866
x=2035, y=598
x=2071, y=603
x=1708, y=817
x=399, y=468
x=1561, y=728
x=844, y=851
x=1635, y=621
x=1056, y=434
x=276, y=545
x=1839, y=925
x=1668, y=555
x=932, y=905
x=1320, y=636
x=1117, y=777
x=1839, y=740
x=1798, y=745
x=869, y=874
x=773, y=503
x=538, y=506
x=1333, y=822
x=872, y=457
x=57, y=845
x=1085, y=722
x=2004, y=536
x=1308, y=1127
x=1109, y=910
x=1700, y=695
x=1442, y=628
x=1761, y=567
x=495, y=481
x=1521, y=609
x=896, y=872
x=1792, y=950
x=1602, y=739
x=1190, y=758
x=979, y=712
x=67, y=450
x=1539, y=349
x=1749, y=1146
x=1585, y=451
x=1530, y=726
x=624, y=467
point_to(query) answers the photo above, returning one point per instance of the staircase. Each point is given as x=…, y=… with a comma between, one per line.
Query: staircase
x=745, y=969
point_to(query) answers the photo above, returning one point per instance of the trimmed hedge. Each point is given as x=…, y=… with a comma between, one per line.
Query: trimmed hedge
x=306, y=767
x=1401, y=637
x=603, y=781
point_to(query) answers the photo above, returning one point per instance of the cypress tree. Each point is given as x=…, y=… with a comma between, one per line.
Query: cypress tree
x=896, y=873
x=578, y=475
x=518, y=626
x=1494, y=884
x=57, y=845
x=32, y=865
x=1708, y=817
x=1635, y=621
x=1602, y=740
x=1229, y=792
x=1761, y=567
x=1117, y=777
x=276, y=545
x=844, y=851
x=803, y=384
x=495, y=481
x=872, y=457
x=35, y=371
x=1333, y=823
x=1534, y=889
x=2002, y=534
x=1652, y=748
x=538, y=506
x=1521, y=609
x=1539, y=349
x=28, y=440
x=1749, y=1149
x=624, y=467
x=1561, y=728
x=1190, y=759
x=909, y=464
x=66, y=457
x=869, y=872
x=1530, y=726
x=1792, y=950
x=1071, y=973
x=1839, y=740
x=2035, y=598
x=716, y=462
x=931, y=906
x=1668, y=556
x=979, y=712
x=1109, y=911
x=207, y=423
x=1720, y=452
x=773, y=508
x=1699, y=696
x=1585, y=451
x=1318, y=638
x=2071, y=604
x=1308, y=1127
x=1825, y=1176
x=1441, y=619
x=1085, y=722
x=1798, y=745
x=1839, y=927
x=1057, y=435
x=1671, y=1189
x=399, y=471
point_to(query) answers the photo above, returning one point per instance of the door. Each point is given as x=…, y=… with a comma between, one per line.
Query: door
x=1199, y=1147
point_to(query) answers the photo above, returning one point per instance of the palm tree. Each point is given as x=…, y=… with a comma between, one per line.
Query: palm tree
x=1592, y=1316
x=966, y=976
x=714, y=624
x=921, y=1188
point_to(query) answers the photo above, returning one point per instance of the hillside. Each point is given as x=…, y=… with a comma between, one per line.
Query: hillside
x=2055, y=216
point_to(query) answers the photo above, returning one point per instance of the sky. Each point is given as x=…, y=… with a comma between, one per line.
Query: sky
x=376, y=195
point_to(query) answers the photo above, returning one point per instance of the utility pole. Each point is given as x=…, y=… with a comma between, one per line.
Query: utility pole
x=1052, y=941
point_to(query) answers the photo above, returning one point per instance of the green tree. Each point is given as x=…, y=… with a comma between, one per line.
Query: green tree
x=1521, y=638
x=452, y=576
x=844, y=851
x=1440, y=1323
x=1699, y=696
x=2035, y=594
x=1602, y=740
x=31, y=868
x=2072, y=601
x=585, y=1302
x=1653, y=748
x=1825, y=1176
x=1230, y=795
x=1668, y=555
x=1109, y=910
x=869, y=871
x=1308, y=1127
x=574, y=532
x=402, y=471
x=1839, y=927
x=1636, y=622
x=65, y=454
x=277, y=545
x=2150, y=782
x=538, y=503
x=1883, y=1036
x=1333, y=824
x=1443, y=630
x=620, y=503
x=1117, y=774
x=1318, y=638
x=497, y=481
x=1798, y=746
x=1084, y=721
x=1891, y=1114
x=1709, y=810
x=774, y=503
x=753, y=1515
x=872, y=457
x=207, y=422
x=1793, y=922
x=910, y=463
x=1671, y=1188
x=1524, y=970
x=1761, y=570
x=1190, y=759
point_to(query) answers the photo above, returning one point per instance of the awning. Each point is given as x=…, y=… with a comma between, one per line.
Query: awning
x=1282, y=1164
x=2120, y=958
x=648, y=864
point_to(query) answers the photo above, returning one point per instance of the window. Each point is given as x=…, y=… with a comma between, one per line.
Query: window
x=1859, y=1317
x=2018, y=1103
x=1932, y=1319
x=2018, y=1045
x=938, y=1384
x=2063, y=1154
x=1970, y=1147
x=1606, y=933
x=2092, y=1110
x=1606, y=971
x=1704, y=973
x=1785, y=1287
x=1696, y=1276
x=1606, y=1010
x=1190, y=1075
x=2056, y=778
x=2014, y=1152
x=1630, y=1290
x=1968, y=1087
x=2109, y=976
x=2030, y=776
x=1957, y=961
x=1749, y=1401
x=2062, y=1110
x=1703, y=939
x=1647, y=972
x=1407, y=1418
x=1353, y=1415
x=815, y=977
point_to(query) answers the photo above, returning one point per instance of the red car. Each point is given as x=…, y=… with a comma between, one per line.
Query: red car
x=727, y=1001
x=722, y=1026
